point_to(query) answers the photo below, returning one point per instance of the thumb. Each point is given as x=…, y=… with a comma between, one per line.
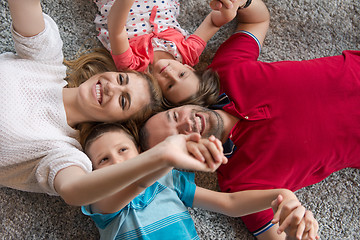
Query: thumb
x=195, y=137
x=275, y=206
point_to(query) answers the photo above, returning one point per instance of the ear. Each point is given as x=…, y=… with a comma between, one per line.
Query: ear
x=189, y=67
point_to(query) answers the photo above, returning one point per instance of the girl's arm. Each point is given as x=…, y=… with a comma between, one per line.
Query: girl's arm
x=116, y=23
x=79, y=188
x=216, y=19
x=27, y=18
x=254, y=19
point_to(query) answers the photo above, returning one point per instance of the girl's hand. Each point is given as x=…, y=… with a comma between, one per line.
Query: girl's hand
x=209, y=151
x=294, y=219
x=217, y=4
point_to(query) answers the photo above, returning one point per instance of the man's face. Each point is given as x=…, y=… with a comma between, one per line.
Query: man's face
x=184, y=120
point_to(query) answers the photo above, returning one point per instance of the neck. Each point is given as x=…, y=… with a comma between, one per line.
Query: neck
x=73, y=115
x=229, y=123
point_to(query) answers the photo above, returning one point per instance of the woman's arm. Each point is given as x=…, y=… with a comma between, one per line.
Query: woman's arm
x=116, y=22
x=27, y=17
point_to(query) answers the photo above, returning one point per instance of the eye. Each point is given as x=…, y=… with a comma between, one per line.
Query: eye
x=175, y=116
x=103, y=160
x=182, y=74
x=121, y=79
x=170, y=86
x=122, y=102
x=121, y=150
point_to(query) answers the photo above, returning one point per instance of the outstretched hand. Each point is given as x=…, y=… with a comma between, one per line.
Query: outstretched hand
x=191, y=152
x=294, y=219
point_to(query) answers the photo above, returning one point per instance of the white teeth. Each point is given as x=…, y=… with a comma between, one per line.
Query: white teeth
x=98, y=92
x=199, y=124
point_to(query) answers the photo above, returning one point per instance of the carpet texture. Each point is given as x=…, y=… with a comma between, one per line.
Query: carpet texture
x=300, y=29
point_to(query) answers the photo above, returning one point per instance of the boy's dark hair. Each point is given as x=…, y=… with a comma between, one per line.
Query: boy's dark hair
x=209, y=89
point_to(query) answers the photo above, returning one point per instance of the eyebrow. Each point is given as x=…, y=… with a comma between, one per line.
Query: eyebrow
x=168, y=115
x=127, y=95
x=126, y=78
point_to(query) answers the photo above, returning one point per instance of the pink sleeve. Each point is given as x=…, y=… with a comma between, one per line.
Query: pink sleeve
x=128, y=60
x=194, y=47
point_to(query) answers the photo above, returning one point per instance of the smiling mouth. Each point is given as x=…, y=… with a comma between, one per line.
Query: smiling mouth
x=200, y=123
x=164, y=68
x=98, y=92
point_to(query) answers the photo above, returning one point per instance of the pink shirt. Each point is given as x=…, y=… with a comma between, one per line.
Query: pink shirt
x=141, y=51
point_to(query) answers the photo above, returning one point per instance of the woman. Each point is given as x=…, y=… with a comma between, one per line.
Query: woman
x=39, y=151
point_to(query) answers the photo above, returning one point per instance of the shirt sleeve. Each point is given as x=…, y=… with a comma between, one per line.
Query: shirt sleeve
x=129, y=60
x=45, y=46
x=184, y=184
x=192, y=50
x=259, y=222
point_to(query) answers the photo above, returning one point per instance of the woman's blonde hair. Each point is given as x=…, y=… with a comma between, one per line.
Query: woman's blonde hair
x=98, y=60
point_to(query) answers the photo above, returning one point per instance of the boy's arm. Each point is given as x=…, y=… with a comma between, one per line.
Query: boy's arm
x=208, y=151
x=246, y=202
x=27, y=18
x=116, y=23
x=120, y=199
x=216, y=19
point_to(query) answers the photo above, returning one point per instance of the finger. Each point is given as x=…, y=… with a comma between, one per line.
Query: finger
x=206, y=153
x=195, y=137
x=300, y=230
x=215, y=5
x=288, y=207
x=292, y=220
x=194, y=151
x=227, y=3
x=274, y=205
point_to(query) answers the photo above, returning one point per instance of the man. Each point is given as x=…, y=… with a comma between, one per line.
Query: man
x=283, y=124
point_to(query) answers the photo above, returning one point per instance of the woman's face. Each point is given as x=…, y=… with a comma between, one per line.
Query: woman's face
x=177, y=81
x=113, y=96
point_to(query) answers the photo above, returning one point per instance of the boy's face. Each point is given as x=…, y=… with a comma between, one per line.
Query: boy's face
x=111, y=148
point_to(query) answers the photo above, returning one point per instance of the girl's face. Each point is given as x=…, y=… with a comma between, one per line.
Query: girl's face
x=177, y=81
x=113, y=96
x=111, y=148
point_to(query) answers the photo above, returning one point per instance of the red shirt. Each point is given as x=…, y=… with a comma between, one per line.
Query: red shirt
x=299, y=120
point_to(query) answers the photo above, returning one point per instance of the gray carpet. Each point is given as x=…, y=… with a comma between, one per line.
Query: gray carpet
x=300, y=29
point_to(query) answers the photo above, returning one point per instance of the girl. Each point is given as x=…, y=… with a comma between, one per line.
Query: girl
x=156, y=205
x=38, y=144
x=145, y=36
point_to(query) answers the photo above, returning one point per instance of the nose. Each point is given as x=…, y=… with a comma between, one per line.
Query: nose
x=184, y=127
x=116, y=158
x=110, y=88
x=171, y=74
